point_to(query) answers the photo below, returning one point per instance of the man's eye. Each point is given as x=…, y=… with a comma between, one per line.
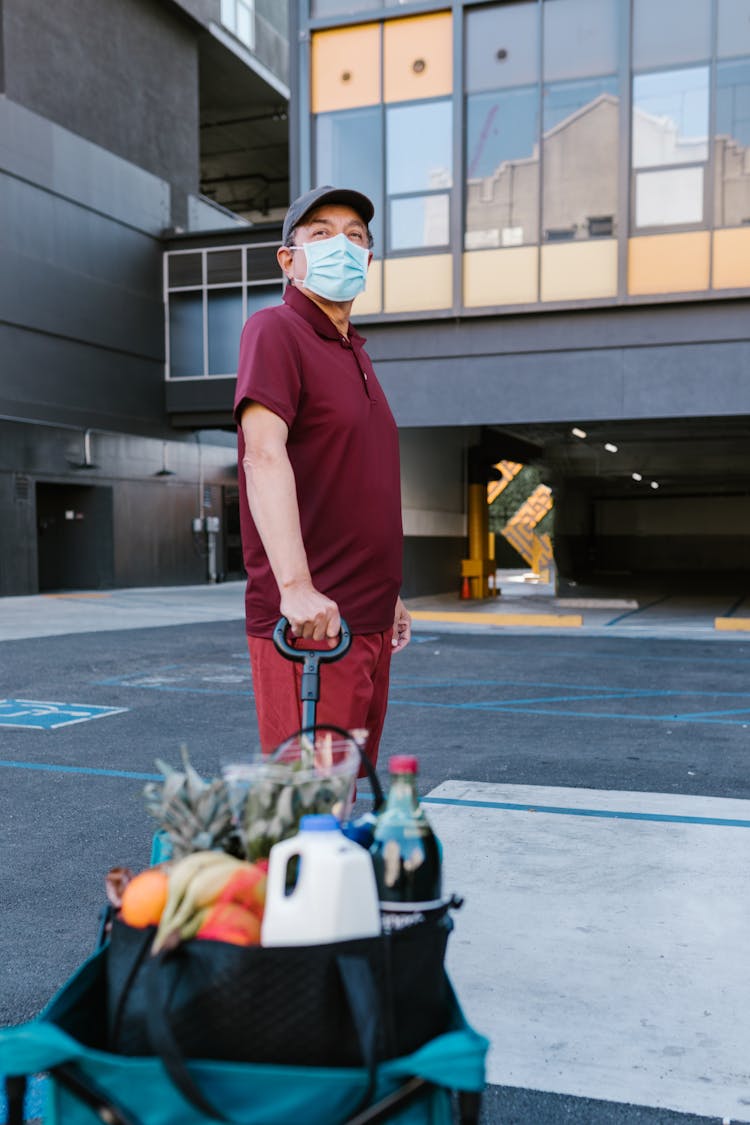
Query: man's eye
x=357, y=236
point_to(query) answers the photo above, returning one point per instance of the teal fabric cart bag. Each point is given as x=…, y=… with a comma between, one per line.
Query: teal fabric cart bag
x=67, y=1042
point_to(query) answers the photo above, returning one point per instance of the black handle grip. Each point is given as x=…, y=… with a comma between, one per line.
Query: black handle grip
x=324, y=655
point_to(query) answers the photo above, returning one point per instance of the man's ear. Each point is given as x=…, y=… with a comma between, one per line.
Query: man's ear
x=369, y=258
x=284, y=257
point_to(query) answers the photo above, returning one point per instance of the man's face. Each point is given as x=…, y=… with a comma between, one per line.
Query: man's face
x=323, y=222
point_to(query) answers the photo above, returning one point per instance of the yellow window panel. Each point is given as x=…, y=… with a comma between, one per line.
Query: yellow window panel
x=732, y=258
x=418, y=54
x=345, y=67
x=414, y=284
x=501, y=277
x=669, y=263
x=576, y=271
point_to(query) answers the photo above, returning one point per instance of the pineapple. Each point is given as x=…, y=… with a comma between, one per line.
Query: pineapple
x=195, y=814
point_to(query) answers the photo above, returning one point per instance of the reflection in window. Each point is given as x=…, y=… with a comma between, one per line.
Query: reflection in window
x=224, y=328
x=670, y=32
x=223, y=266
x=669, y=197
x=185, y=335
x=732, y=143
x=670, y=117
x=580, y=159
x=580, y=38
x=502, y=168
x=348, y=146
x=733, y=33
x=419, y=158
x=262, y=296
x=419, y=221
x=419, y=147
x=502, y=46
x=185, y=269
x=670, y=132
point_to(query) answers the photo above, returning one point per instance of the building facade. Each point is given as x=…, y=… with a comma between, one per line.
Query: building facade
x=562, y=258
x=121, y=123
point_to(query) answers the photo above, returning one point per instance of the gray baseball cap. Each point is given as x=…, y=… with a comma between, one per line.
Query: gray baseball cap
x=326, y=194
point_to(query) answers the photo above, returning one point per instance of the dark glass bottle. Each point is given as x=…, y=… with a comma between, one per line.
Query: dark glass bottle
x=405, y=850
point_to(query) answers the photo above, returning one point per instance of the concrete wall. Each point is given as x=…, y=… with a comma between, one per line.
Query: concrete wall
x=152, y=542
x=121, y=73
x=433, y=497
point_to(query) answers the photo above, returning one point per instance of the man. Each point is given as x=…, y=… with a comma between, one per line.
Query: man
x=320, y=509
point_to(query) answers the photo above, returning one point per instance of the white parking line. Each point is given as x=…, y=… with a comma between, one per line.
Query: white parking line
x=604, y=957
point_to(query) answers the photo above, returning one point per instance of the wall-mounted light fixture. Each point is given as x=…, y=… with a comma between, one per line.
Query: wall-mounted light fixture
x=85, y=462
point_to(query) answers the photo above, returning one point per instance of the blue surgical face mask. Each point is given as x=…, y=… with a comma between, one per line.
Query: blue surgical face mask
x=336, y=268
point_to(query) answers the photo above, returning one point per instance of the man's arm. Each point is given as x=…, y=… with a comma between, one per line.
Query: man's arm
x=272, y=496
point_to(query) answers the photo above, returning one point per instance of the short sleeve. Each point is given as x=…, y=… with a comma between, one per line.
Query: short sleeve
x=269, y=369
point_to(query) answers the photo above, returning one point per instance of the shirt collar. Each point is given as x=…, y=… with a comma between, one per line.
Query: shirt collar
x=315, y=316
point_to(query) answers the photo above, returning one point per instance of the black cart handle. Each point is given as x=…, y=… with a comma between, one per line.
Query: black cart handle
x=324, y=655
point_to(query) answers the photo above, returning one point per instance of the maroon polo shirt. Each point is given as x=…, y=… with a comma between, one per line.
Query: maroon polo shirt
x=343, y=448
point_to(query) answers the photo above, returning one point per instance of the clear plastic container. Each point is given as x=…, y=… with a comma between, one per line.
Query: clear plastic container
x=271, y=793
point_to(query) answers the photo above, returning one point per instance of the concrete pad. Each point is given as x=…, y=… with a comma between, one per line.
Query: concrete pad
x=604, y=957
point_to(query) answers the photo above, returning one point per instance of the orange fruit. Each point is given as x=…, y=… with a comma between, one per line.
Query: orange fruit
x=144, y=898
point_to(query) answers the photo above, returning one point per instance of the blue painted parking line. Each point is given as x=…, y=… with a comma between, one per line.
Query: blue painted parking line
x=606, y=814
x=45, y=714
x=565, y=714
x=49, y=767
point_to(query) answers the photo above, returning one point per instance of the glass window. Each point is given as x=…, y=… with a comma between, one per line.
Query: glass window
x=670, y=117
x=502, y=168
x=224, y=328
x=581, y=131
x=419, y=147
x=580, y=38
x=733, y=29
x=668, y=32
x=262, y=263
x=223, y=266
x=348, y=148
x=185, y=269
x=185, y=335
x=262, y=296
x=732, y=143
x=342, y=7
x=669, y=197
x=419, y=221
x=502, y=46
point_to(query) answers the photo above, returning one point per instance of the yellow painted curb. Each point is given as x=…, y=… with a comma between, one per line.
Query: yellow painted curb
x=734, y=624
x=537, y=620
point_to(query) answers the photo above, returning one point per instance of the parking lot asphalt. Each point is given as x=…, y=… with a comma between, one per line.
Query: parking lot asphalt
x=604, y=883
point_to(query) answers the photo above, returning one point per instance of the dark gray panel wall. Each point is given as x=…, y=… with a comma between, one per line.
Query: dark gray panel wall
x=432, y=564
x=685, y=361
x=122, y=73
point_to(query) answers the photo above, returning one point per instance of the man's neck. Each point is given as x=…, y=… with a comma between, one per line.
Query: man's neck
x=336, y=311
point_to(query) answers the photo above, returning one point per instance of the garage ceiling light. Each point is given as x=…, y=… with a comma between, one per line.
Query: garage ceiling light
x=577, y=432
x=654, y=484
x=636, y=476
x=610, y=447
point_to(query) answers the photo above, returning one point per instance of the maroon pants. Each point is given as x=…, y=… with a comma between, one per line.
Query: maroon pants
x=353, y=690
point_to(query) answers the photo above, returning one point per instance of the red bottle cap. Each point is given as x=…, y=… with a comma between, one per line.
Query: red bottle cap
x=403, y=763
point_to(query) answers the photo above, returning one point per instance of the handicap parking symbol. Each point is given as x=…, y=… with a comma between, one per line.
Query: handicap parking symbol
x=44, y=714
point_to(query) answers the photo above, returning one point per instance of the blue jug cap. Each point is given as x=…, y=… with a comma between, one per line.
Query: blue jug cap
x=319, y=822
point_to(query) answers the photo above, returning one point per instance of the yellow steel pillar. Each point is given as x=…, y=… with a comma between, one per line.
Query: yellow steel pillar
x=480, y=564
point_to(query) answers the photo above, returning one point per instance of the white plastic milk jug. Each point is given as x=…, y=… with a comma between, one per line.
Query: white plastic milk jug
x=335, y=896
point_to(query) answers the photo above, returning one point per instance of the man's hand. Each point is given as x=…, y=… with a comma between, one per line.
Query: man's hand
x=311, y=615
x=401, y=627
